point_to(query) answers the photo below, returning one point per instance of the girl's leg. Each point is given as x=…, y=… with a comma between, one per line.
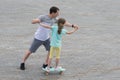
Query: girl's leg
x=57, y=62
x=50, y=56
x=57, y=56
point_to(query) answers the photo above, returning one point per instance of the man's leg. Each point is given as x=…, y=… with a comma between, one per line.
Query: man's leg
x=22, y=65
x=27, y=54
x=35, y=45
x=47, y=59
x=47, y=46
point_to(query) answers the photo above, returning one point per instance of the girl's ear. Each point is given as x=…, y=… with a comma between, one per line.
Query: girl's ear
x=61, y=24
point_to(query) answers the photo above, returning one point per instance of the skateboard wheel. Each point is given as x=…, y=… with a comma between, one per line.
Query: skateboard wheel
x=46, y=73
x=61, y=72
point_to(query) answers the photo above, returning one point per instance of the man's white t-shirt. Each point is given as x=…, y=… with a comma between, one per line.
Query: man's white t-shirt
x=43, y=33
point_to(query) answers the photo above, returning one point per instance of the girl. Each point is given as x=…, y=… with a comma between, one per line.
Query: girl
x=57, y=32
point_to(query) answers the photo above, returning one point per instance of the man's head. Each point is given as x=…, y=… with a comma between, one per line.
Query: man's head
x=54, y=11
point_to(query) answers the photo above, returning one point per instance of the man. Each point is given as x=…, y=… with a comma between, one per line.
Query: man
x=42, y=35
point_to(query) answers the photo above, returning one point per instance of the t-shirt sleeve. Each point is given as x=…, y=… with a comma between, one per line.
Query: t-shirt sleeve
x=64, y=31
x=52, y=27
x=41, y=18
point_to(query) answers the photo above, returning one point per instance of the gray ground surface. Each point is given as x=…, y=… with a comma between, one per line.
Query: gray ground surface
x=92, y=53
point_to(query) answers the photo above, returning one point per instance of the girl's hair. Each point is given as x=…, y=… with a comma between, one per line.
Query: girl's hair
x=60, y=22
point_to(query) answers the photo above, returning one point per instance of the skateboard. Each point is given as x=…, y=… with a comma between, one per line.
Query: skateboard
x=53, y=70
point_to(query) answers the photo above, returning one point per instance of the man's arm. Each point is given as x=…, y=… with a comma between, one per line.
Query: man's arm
x=68, y=24
x=34, y=21
x=72, y=31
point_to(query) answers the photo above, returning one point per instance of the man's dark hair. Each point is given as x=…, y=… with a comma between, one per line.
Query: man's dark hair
x=54, y=9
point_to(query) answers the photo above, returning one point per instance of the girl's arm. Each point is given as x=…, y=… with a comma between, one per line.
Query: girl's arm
x=46, y=26
x=72, y=31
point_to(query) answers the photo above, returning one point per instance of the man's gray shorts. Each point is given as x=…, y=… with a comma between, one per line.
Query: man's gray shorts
x=37, y=43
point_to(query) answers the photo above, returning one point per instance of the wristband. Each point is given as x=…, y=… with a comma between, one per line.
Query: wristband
x=72, y=25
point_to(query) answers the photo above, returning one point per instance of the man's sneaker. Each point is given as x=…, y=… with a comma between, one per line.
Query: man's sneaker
x=22, y=66
x=44, y=66
x=47, y=69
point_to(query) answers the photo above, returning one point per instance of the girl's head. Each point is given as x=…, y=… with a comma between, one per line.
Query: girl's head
x=60, y=22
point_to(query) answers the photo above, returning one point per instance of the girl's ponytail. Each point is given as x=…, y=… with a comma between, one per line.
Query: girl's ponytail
x=59, y=29
x=61, y=22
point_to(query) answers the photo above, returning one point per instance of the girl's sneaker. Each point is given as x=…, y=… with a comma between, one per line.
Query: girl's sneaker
x=52, y=69
x=59, y=69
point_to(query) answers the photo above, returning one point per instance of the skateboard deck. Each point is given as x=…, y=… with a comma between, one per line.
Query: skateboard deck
x=53, y=70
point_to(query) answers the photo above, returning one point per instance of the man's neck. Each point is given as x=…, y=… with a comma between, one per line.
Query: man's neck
x=50, y=15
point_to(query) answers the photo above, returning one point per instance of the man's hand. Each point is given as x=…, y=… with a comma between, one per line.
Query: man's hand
x=75, y=26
